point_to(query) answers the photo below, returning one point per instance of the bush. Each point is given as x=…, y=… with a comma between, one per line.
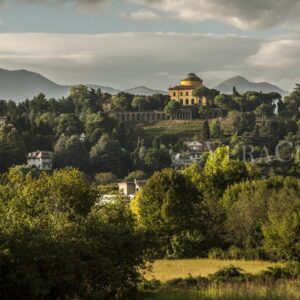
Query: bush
x=229, y=274
x=216, y=253
x=186, y=283
x=275, y=273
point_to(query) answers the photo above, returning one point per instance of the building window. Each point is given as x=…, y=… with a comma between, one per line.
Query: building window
x=187, y=101
x=174, y=93
x=181, y=93
x=181, y=101
x=187, y=93
x=193, y=101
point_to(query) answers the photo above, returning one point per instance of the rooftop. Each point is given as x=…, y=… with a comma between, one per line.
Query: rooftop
x=181, y=88
x=193, y=77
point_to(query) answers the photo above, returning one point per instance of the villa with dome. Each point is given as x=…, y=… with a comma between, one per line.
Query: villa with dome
x=183, y=93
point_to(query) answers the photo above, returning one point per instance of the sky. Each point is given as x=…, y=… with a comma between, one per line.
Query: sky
x=128, y=43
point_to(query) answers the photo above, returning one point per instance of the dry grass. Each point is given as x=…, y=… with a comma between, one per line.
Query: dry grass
x=285, y=290
x=164, y=270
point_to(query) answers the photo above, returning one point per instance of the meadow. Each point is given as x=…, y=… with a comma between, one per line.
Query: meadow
x=171, y=288
x=164, y=270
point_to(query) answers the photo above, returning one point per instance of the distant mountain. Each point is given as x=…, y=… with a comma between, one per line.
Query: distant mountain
x=21, y=84
x=104, y=89
x=243, y=85
x=144, y=91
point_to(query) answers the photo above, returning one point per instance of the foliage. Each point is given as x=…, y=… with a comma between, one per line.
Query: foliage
x=12, y=148
x=169, y=206
x=56, y=244
x=136, y=175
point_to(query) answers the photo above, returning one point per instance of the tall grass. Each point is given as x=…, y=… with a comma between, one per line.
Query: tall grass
x=284, y=290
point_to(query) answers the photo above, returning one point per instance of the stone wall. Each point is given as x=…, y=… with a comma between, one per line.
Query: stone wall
x=151, y=116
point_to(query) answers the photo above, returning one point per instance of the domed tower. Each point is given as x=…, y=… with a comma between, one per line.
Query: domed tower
x=192, y=80
x=184, y=93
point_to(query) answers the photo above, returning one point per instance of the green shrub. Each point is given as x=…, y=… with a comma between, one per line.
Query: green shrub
x=229, y=274
x=216, y=253
x=275, y=273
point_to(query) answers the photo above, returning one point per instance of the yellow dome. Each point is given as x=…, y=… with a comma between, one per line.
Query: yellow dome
x=192, y=80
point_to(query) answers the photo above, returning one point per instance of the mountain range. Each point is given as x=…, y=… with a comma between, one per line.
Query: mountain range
x=243, y=85
x=21, y=84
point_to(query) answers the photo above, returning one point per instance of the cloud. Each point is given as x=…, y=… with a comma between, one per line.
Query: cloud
x=124, y=59
x=84, y=6
x=278, y=60
x=142, y=15
x=244, y=14
x=157, y=60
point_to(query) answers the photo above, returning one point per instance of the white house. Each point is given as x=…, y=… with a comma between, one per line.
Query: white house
x=43, y=160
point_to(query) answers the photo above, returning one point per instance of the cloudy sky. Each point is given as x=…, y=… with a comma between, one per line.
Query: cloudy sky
x=126, y=43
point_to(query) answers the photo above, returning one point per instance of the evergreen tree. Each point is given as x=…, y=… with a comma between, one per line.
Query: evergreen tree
x=12, y=148
x=205, y=132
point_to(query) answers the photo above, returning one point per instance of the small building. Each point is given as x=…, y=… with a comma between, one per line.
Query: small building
x=3, y=121
x=107, y=105
x=43, y=160
x=195, y=146
x=184, y=93
x=131, y=188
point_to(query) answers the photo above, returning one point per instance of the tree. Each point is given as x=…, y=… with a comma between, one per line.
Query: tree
x=282, y=226
x=244, y=122
x=136, y=175
x=265, y=110
x=169, y=207
x=139, y=102
x=12, y=148
x=95, y=125
x=219, y=172
x=53, y=218
x=108, y=156
x=122, y=101
x=205, y=132
x=105, y=178
x=71, y=152
x=69, y=124
x=216, y=130
x=204, y=91
x=171, y=107
x=157, y=159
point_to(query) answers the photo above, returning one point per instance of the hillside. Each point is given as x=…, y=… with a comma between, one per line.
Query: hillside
x=242, y=85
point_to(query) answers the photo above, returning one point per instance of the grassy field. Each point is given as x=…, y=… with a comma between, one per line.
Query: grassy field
x=186, y=129
x=164, y=270
x=285, y=290
x=179, y=128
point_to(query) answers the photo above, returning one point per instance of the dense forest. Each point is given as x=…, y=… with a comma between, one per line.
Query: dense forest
x=83, y=136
